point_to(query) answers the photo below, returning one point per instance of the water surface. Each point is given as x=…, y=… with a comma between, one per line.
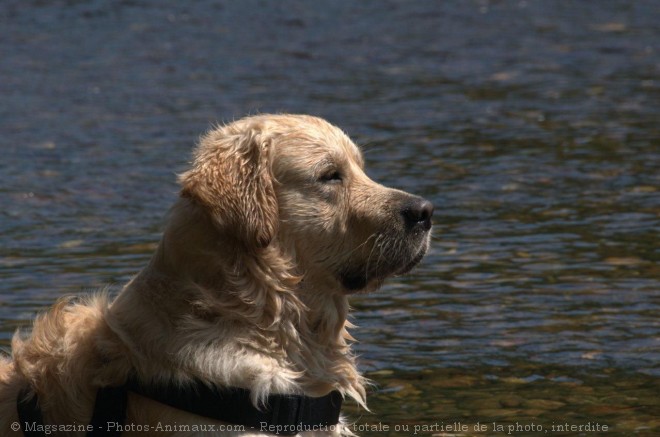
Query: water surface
x=531, y=125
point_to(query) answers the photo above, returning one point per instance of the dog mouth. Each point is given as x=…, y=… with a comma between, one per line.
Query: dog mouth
x=413, y=262
x=369, y=277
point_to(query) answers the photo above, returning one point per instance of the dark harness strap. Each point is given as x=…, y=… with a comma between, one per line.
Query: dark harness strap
x=29, y=414
x=280, y=414
x=109, y=407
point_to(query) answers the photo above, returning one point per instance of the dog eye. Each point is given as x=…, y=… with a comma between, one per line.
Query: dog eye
x=331, y=177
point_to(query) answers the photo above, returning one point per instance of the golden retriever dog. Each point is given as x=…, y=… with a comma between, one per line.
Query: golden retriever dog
x=276, y=225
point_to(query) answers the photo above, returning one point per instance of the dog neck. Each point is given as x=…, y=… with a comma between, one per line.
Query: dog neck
x=234, y=317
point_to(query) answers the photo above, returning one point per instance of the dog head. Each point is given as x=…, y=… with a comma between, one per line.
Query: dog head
x=299, y=182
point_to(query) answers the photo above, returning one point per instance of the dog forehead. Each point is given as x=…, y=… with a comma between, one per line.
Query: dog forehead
x=353, y=151
x=341, y=149
x=318, y=140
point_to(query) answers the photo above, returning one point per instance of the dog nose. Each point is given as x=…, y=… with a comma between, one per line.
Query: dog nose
x=418, y=212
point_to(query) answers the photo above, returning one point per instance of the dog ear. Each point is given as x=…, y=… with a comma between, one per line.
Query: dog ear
x=231, y=177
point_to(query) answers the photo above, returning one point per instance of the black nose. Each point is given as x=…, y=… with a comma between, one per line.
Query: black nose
x=418, y=212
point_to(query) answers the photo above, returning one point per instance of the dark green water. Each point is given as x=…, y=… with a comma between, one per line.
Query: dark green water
x=533, y=126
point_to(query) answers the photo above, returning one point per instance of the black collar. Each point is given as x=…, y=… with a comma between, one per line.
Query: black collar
x=280, y=414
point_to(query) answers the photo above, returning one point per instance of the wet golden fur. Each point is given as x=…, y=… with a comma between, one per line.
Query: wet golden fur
x=276, y=224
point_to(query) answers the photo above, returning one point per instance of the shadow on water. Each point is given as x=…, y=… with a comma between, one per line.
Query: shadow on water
x=531, y=125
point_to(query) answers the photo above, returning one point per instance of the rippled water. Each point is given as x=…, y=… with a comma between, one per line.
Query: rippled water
x=532, y=126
